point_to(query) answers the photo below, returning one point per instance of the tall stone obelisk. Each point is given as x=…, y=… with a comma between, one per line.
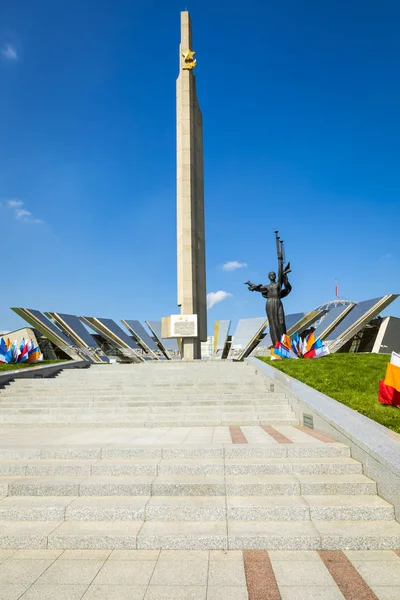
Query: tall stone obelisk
x=190, y=195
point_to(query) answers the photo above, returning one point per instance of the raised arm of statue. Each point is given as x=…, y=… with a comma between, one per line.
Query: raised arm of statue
x=287, y=288
x=253, y=287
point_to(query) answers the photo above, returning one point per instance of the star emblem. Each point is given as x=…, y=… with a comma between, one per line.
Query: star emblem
x=188, y=55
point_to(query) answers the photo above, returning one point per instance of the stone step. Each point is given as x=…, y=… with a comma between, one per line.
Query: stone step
x=195, y=508
x=174, y=466
x=130, y=422
x=51, y=385
x=153, y=395
x=197, y=397
x=188, y=485
x=184, y=535
x=260, y=411
x=177, y=451
x=228, y=400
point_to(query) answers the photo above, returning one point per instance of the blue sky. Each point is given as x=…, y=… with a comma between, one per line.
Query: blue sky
x=301, y=133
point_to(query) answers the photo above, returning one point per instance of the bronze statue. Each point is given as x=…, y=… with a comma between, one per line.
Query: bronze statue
x=274, y=292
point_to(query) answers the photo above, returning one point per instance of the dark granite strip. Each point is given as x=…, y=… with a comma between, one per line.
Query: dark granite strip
x=346, y=576
x=260, y=577
x=278, y=437
x=237, y=435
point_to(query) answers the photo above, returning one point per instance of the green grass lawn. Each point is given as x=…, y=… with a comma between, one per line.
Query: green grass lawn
x=352, y=379
x=15, y=367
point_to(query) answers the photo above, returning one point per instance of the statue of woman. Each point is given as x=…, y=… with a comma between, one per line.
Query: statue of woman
x=274, y=292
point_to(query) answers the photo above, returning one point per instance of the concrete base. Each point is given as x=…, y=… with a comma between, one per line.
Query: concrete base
x=191, y=349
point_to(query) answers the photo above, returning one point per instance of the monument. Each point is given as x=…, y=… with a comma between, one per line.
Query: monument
x=274, y=292
x=190, y=196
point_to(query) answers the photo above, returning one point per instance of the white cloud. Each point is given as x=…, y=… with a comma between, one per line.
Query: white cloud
x=232, y=265
x=14, y=203
x=9, y=52
x=20, y=213
x=216, y=297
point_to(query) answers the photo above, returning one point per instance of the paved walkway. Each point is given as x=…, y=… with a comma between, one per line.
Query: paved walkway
x=198, y=575
x=36, y=437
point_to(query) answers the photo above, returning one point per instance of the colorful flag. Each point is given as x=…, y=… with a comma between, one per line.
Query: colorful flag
x=297, y=347
x=23, y=356
x=389, y=389
x=26, y=352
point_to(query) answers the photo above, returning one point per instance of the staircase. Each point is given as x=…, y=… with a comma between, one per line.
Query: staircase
x=154, y=395
x=176, y=456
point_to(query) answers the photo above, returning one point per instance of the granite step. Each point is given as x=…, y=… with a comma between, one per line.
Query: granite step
x=187, y=485
x=228, y=400
x=142, y=412
x=195, y=508
x=178, y=451
x=130, y=422
x=44, y=386
x=135, y=393
x=184, y=535
x=174, y=466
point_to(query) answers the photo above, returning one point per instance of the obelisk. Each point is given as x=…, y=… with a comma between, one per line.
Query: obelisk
x=190, y=195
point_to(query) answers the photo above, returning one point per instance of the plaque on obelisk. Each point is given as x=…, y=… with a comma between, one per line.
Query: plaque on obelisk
x=190, y=197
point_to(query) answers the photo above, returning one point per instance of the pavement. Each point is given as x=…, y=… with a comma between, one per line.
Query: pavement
x=198, y=575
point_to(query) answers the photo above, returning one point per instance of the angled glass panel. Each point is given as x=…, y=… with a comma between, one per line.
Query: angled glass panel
x=137, y=328
x=334, y=315
x=357, y=312
x=40, y=322
x=155, y=328
x=246, y=332
x=307, y=321
x=109, y=330
x=73, y=328
x=168, y=343
x=119, y=333
x=294, y=318
x=140, y=339
x=79, y=329
x=49, y=325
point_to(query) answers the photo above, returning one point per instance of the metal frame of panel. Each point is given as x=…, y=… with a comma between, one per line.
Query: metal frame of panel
x=260, y=323
x=75, y=333
x=355, y=327
x=306, y=322
x=221, y=333
x=157, y=338
x=128, y=350
x=40, y=322
x=325, y=328
x=134, y=327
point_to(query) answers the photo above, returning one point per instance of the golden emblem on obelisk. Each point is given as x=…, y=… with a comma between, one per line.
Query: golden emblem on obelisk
x=189, y=60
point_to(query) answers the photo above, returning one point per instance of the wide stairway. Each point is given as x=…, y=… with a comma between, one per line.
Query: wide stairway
x=203, y=455
x=149, y=395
